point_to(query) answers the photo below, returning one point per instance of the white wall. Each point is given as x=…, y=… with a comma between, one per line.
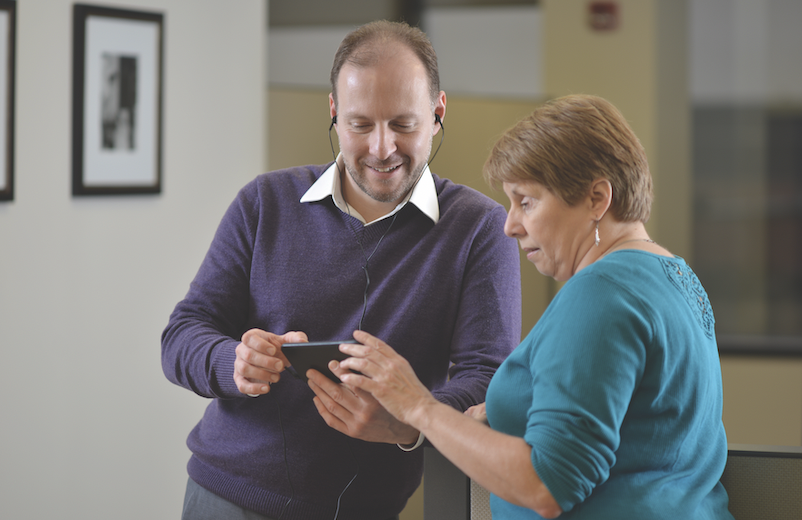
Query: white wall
x=89, y=426
x=489, y=51
x=482, y=51
x=302, y=56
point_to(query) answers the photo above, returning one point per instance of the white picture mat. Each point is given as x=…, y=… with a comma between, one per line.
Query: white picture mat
x=138, y=167
x=4, y=108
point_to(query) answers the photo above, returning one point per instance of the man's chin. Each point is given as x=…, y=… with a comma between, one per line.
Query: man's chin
x=386, y=190
x=387, y=194
x=385, y=197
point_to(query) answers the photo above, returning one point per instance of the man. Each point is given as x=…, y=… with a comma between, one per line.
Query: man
x=373, y=241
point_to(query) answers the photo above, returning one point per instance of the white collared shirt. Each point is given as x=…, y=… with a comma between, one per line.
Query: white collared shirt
x=423, y=195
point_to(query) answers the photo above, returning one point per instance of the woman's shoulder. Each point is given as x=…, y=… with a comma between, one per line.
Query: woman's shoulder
x=659, y=283
x=626, y=276
x=633, y=264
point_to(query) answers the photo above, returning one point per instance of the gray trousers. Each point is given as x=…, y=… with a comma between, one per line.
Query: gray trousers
x=201, y=504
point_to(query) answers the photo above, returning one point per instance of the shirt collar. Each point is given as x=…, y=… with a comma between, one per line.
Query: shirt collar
x=423, y=196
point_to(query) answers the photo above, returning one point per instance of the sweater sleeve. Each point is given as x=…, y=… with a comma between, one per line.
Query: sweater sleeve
x=488, y=323
x=199, y=342
x=584, y=375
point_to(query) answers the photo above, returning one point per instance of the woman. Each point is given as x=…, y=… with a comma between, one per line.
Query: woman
x=611, y=407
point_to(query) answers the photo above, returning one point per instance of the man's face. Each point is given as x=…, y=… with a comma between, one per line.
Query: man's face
x=385, y=124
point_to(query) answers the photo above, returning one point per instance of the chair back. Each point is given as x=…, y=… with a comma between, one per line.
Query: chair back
x=448, y=494
x=764, y=482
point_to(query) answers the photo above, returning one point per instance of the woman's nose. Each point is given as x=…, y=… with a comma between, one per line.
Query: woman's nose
x=512, y=226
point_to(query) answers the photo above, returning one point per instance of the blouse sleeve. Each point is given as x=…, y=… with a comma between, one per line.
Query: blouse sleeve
x=590, y=358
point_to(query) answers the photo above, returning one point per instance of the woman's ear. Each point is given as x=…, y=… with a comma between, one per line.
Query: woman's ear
x=601, y=197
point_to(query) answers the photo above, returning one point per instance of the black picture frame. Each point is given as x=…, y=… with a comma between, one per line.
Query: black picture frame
x=117, y=101
x=8, y=29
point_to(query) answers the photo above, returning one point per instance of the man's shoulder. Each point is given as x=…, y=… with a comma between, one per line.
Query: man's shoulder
x=284, y=182
x=296, y=174
x=460, y=197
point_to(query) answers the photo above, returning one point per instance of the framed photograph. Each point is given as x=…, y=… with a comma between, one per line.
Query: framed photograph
x=117, y=101
x=8, y=23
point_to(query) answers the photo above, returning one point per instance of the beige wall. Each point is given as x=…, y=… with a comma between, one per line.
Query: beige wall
x=639, y=67
x=642, y=69
x=763, y=400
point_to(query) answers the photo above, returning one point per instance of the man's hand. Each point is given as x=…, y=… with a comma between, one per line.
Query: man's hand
x=355, y=412
x=260, y=360
x=478, y=412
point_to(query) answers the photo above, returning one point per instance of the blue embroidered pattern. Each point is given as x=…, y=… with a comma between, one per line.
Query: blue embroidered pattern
x=696, y=296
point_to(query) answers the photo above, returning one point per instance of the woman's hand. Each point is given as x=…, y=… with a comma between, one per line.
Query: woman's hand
x=498, y=461
x=388, y=377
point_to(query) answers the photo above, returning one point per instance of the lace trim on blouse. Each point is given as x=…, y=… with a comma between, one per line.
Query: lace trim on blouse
x=688, y=284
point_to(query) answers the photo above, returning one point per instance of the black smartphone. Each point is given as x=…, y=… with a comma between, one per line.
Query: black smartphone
x=317, y=355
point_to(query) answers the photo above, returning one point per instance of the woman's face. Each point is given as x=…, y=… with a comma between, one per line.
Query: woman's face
x=554, y=235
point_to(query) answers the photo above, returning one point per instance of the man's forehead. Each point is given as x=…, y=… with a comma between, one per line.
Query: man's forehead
x=391, y=57
x=360, y=86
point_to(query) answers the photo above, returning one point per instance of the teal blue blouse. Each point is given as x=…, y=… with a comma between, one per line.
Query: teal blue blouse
x=618, y=391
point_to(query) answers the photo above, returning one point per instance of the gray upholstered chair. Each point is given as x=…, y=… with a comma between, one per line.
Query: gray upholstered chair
x=448, y=494
x=764, y=482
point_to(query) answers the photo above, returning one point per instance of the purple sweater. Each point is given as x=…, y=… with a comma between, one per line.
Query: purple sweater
x=445, y=295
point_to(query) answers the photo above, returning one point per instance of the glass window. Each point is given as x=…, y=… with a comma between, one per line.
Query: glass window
x=746, y=90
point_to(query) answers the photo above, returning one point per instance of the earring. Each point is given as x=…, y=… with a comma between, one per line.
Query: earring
x=597, y=233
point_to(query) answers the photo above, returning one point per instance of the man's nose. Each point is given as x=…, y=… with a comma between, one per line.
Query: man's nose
x=382, y=142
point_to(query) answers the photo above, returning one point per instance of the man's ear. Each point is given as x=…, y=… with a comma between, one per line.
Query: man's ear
x=332, y=107
x=601, y=197
x=439, y=111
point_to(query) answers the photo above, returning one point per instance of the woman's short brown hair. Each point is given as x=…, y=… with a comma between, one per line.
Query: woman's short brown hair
x=568, y=143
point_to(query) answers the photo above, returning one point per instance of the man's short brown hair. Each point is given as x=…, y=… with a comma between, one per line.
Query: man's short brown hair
x=363, y=48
